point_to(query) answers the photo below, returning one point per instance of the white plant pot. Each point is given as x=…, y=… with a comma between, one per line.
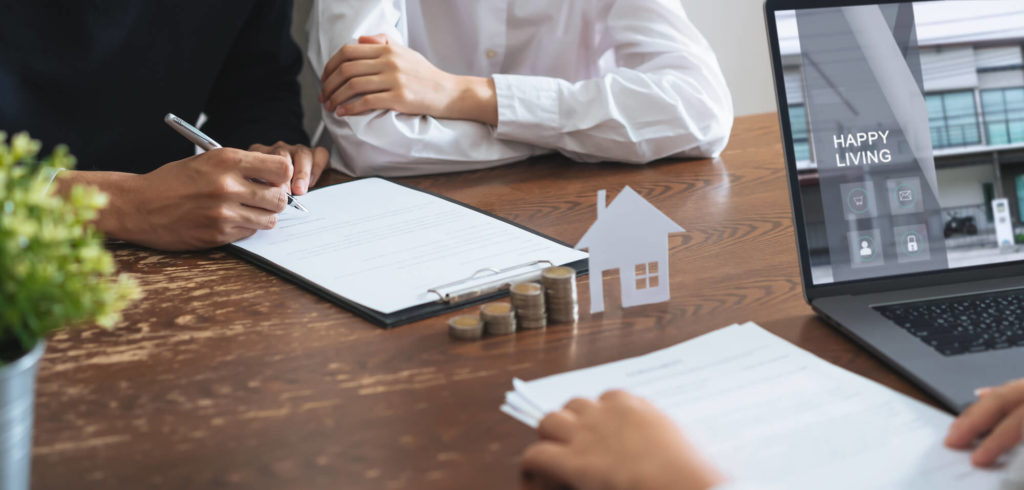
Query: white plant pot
x=17, y=400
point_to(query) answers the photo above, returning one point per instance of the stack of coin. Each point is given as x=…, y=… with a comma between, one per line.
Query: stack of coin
x=466, y=327
x=499, y=318
x=528, y=301
x=560, y=290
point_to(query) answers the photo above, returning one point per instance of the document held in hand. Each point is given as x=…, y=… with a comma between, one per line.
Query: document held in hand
x=773, y=416
x=379, y=248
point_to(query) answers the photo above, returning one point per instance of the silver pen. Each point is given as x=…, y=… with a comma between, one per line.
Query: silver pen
x=207, y=143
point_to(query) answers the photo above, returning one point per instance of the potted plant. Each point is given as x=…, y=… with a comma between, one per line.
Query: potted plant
x=54, y=273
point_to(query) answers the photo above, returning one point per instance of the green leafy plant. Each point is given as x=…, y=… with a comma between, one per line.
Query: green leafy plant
x=54, y=269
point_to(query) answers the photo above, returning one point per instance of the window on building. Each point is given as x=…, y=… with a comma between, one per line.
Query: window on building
x=647, y=275
x=801, y=136
x=953, y=119
x=1004, y=115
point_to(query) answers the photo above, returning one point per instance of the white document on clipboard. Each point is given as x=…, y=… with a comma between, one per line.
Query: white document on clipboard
x=388, y=247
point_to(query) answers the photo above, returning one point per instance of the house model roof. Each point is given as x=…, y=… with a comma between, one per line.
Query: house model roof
x=628, y=215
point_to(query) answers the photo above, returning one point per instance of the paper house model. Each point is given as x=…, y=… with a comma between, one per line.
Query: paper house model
x=630, y=235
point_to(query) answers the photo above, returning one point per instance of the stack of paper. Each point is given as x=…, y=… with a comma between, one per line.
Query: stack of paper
x=774, y=416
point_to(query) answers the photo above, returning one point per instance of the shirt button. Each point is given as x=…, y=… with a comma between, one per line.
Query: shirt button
x=491, y=54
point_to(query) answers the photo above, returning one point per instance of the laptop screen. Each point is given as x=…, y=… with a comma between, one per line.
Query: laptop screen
x=907, y=124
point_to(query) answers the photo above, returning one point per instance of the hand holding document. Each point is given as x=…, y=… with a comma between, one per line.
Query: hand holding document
x=774, y=416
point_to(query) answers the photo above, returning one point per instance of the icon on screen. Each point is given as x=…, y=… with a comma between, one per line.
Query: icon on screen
x=859, y=201
x=912, y=246
x=905, y=195
x=912, y=243
x=865, y=248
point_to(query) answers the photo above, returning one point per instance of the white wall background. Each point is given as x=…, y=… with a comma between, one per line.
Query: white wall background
x=735, y=29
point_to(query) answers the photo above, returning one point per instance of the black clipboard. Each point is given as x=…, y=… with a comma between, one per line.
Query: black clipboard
x=408, y=315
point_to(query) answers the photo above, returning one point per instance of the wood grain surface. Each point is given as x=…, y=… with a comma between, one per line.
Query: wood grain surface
x=225, y=376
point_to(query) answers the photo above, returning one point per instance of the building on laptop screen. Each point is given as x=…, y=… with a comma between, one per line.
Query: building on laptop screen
x=908, y=131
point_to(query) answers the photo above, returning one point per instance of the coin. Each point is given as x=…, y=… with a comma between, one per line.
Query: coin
x=532, y=324
x=527, y=289
x=528, y=301
x=561, y=300
x=557, y=273
x=496, y=309
x=499, y=318
x=466, y=327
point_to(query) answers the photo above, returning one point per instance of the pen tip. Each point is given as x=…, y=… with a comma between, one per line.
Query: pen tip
x=295, y=204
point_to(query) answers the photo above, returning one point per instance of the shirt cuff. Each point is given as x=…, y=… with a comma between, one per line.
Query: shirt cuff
x=527, y=107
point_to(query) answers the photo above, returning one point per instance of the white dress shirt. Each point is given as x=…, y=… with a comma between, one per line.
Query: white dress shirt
x=620, y=80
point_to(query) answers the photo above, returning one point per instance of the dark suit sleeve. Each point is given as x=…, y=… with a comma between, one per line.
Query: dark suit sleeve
x=256, y=96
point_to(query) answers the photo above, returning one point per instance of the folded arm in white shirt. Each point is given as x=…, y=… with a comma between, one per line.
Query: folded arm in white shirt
x=665, y=97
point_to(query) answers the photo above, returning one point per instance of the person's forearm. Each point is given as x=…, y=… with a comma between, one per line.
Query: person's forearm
x=119, y=219
x=393, y=144
x=476, y=100
x=625, y=115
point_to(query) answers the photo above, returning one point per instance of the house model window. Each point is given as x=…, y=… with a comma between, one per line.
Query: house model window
x=647, y=275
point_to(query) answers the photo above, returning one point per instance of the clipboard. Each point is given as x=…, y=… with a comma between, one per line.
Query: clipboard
x=482, y=286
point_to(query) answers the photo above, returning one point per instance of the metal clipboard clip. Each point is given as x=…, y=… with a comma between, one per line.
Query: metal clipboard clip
x=489, y=280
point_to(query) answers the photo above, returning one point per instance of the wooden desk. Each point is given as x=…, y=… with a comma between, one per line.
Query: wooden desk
x=225, y=376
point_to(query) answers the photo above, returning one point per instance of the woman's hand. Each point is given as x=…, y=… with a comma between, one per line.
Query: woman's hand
x=308, y=163
x=390, y=76
x=620, y=442
x=997, y=418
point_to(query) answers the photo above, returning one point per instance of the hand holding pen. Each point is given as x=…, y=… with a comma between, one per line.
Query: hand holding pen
x=207, y=143
x=201, y=201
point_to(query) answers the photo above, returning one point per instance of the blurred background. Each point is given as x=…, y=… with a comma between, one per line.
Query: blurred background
x=735, y=29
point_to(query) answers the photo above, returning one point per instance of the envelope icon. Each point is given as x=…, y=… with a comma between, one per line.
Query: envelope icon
x=906, y=195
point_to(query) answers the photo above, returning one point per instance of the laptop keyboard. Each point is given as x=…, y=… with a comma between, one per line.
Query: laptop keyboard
x=964, y=324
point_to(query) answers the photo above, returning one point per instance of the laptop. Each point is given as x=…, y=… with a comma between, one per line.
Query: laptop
x=903, y=129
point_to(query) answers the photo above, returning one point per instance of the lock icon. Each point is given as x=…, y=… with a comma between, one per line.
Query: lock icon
x=912, y=246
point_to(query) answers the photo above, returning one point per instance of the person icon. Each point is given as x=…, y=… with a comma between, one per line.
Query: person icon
x=865, y=249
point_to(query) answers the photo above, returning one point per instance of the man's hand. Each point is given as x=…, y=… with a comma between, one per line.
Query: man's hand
x=200, y=202
x=309, y=162
x=391, y=76
x=620, y=442
x=997, y=417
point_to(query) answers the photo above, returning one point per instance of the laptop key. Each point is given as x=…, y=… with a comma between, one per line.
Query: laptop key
x=966, y=324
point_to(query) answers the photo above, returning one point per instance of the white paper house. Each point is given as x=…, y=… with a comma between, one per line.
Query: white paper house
x=630, y=235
